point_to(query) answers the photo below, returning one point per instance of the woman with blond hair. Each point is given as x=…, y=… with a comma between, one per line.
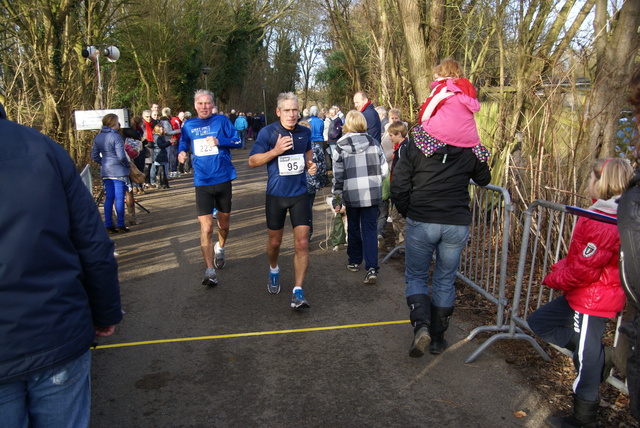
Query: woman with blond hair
x=359, y=167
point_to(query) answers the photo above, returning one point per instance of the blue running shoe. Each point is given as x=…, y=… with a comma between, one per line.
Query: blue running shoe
x=298, y=301
x=215, y=213
x=274, y=283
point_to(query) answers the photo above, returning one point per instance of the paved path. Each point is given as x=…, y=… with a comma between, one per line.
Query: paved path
x=236, y=356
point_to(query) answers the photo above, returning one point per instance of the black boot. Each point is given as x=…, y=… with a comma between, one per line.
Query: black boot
x=585, y=414
x=609, y=362
x=439, y=324
x=420, y=306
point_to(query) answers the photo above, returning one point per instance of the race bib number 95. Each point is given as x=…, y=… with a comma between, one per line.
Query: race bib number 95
x=201, y=148
x=291, y=165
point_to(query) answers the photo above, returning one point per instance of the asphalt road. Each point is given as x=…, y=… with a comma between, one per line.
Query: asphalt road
x=236, y=356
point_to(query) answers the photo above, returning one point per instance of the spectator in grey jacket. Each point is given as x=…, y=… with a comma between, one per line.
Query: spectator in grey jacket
x=359, y=167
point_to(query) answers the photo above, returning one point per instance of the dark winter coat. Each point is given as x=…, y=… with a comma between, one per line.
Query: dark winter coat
x=629, y=229
x=373, y=122
x=435, y=188
x=58, y=276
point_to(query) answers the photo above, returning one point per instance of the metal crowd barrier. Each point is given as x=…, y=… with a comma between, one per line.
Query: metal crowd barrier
x=483, y=265
x=546, y=236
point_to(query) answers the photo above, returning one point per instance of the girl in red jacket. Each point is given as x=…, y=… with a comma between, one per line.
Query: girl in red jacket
x=591, y=293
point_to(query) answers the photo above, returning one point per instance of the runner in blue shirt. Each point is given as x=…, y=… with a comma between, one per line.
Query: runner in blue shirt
x=285, y=147
x=209, y=138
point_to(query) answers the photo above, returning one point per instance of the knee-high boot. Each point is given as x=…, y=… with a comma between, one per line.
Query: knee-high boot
x=420, y=306
x=439, y=324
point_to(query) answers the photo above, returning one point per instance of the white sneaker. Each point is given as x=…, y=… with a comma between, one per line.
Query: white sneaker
x=210, y=277
x=218, y=258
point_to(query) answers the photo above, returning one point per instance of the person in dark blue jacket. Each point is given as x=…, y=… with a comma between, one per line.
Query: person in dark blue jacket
x=58, y=283
x=363, y=105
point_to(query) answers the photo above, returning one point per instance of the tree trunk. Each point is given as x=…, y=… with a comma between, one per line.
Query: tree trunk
x=419, y=66
x=436, y=21
x=615, y=57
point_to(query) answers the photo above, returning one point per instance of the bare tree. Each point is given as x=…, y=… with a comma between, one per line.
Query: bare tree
x=616, y=48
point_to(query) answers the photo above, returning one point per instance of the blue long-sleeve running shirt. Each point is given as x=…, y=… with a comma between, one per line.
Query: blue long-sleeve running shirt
x=211, y=165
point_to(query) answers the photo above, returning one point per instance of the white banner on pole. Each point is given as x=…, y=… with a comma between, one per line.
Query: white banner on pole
x=92, y=119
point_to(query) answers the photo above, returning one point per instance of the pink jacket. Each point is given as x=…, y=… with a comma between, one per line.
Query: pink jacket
x=453, y=123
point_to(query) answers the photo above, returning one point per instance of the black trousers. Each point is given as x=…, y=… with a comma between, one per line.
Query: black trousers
x=557, y=323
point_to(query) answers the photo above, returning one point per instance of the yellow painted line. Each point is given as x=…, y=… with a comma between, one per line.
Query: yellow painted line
x=256, y=333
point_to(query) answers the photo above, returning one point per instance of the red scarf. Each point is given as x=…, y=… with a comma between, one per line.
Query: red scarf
x=439, y=95
x=365, y=106
x=148, y=130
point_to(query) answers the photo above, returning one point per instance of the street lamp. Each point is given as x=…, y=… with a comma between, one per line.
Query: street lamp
x=111, y=53
x=264, y=102
x=206, y=70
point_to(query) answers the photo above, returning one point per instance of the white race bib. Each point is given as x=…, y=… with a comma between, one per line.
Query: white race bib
x=202, y=148
x=291, y=164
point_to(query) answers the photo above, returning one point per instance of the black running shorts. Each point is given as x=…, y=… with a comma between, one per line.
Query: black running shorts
x=214, y=196
x=276, y=209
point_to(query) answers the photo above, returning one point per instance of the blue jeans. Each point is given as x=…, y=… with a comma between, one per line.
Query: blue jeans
x=114, y=191
x=363, y=242
x=243, y=137
x=57, y=397
x=422, y=240
x=173, y=157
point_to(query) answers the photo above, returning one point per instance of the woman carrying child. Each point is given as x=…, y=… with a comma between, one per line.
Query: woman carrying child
x=429, y=187
x=590, y=283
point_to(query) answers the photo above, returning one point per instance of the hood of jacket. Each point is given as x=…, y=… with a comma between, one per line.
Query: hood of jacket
x=354, y=142
x=107, y=129
x=610, y=206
